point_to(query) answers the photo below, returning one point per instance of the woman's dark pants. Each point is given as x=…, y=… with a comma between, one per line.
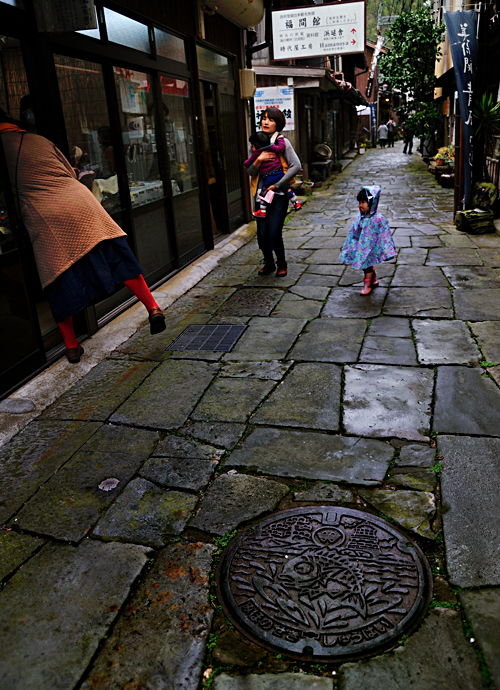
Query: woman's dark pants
x=270, y=229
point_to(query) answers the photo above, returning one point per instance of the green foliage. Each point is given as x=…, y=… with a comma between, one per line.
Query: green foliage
x=486, y=112
x=488, y=364
x=409, y=64
x=444, y=604
x=222, y=542
x=435, y=468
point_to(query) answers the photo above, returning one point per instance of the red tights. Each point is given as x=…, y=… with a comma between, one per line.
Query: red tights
x=140, y=289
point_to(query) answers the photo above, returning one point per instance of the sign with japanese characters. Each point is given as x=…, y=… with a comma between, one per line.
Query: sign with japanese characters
x=280, y=97
x=462, y=34
x=54, y=16
x=319, y=30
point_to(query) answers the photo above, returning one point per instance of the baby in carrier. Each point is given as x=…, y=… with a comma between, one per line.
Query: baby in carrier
x=270, y=171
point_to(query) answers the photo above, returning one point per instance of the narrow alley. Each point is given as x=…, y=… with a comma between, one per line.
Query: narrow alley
x=119, y=499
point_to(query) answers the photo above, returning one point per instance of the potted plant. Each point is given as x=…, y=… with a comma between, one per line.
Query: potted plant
x=486, y=112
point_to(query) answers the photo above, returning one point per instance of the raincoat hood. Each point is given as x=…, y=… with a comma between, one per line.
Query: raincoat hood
x=373, y=195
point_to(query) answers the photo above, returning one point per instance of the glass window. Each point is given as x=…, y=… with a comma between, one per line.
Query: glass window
x=86, y=117
x=126, y=31
x=14, y=83
x=213, y=63
x=180, y=137
x=170, y=46
x=93, y=33
x=14, y=3
x=135, y=99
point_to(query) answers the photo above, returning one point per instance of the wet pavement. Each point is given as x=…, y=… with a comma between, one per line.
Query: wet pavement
x=118, y=500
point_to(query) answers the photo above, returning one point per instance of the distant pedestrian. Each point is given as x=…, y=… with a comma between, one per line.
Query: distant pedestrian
x=382, y=136
x=391, y=130
x=369, y=241
x=408, y=138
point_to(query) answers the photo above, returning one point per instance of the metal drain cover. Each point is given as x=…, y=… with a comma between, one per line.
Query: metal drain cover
x=216, y=338
x=325, y=583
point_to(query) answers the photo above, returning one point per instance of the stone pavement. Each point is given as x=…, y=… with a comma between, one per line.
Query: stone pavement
x=118, y=500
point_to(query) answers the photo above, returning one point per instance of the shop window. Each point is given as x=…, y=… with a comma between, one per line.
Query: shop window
x=214, y=64
x=170, y=46
x=14, y=83
x=126, y=31
x=180, y=138
x=86, y=117
x=137, y=117
x=14, y=3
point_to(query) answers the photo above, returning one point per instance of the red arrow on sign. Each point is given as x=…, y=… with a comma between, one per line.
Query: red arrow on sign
x=353, y=31
x=353, y=41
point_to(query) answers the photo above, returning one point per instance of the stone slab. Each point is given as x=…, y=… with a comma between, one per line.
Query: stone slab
x=472, y=277
x=390, y=327
x=477, y=305
x=490, y=257
x=482, y=610
x=234, y=499
x=325, y=493
x=310, y=292
x=251, y=302
x=272, y=280
x=180, y=473
x=451, y=256
x=266, y=339
x=325, y=256
x=438, y=655
x=382, y=350
x=317, y=280
x=273, y=371
x=471, y=514
x=299, y=308
x=435, y=302
x=232, y=649
x=488, y=337
x=176, y=447
x=348, y=303
x=15, y=548
x=231, y=400
x=330, y=340
x=160, y=640
x=33, y=456
x=101, y=391
x=69, y=505
x=387, y=401
x=445, y=342
x=201, y=300
x=426, y=242
x=270, y=681
x=415, y=256
x=223, y=434
x=419, y=276
x=312, y=455
x=308, y=398
x=325, y=269
x=467, y=402
x=413, y=510
x=151, y=405
x=146, y=514
x=227, y=276
x=56, y=610
x=416, y=455
x=324, y=243
x=17, y=406
x=419, y=480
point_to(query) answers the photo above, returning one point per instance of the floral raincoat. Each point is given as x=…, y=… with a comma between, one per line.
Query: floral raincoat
x=369, y=241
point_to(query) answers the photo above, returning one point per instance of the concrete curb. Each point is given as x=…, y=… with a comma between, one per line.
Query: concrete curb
x=51, y=383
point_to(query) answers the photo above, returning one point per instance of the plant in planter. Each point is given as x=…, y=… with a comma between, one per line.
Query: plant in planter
x=486, y=112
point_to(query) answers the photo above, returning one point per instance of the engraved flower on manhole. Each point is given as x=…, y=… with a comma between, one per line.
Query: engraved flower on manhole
x=324, y=582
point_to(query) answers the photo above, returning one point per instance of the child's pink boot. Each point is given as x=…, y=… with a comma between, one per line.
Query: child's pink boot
x=374, y=279
x=367, y=282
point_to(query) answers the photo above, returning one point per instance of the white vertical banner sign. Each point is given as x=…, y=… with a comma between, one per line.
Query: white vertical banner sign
x=319, y=30
x=280, y=97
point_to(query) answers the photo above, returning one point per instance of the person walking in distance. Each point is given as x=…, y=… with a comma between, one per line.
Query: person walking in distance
x=81, y=253
x=408, y=138
x=369, y=241
x=382, y=136
x=270, y=227
x=391, y=130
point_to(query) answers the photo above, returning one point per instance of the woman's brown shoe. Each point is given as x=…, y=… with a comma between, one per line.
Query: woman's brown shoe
x=73, y=354
x=282, y=269
x=267, y=269
x=156, y=321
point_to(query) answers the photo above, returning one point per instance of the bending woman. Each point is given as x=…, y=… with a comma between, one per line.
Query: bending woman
x=81, y=253
x=270, y=228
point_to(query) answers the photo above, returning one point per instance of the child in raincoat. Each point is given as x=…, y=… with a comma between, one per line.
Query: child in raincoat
x=369, y=241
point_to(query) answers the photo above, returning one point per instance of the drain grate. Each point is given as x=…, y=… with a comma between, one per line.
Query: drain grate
x=324, y=583
x=215, y=338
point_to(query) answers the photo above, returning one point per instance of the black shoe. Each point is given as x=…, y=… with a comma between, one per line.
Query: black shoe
x=73, y=354
x=156, y=321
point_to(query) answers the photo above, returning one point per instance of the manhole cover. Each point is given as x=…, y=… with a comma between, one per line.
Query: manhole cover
x=324, y=583
x=216, y=338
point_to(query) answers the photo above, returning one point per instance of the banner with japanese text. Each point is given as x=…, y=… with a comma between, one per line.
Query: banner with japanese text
x=280, y=97
x=319, y=30
x=462, y=36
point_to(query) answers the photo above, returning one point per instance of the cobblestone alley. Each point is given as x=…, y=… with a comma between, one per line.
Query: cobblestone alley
x=118, y=500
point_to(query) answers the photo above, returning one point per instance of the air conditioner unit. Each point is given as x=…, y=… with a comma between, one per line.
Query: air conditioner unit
x=248, y=83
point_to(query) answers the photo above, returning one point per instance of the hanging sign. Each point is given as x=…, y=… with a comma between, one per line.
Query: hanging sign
x=280, y=97
x=319, y=30
x=53, y=16
x=462, y=35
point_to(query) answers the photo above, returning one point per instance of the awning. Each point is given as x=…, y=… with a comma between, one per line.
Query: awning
x=243, y=13
x=447, y=81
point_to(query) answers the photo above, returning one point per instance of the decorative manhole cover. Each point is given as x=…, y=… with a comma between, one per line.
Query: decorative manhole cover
x=324, y=583
x=216, y=338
